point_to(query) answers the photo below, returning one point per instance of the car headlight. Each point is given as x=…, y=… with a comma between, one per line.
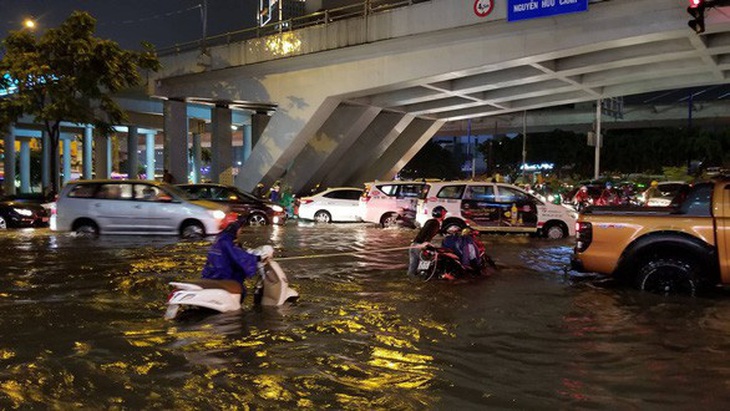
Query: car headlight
x=23, y=211
x=277, y=208
x=218, y=214
x=551, y=198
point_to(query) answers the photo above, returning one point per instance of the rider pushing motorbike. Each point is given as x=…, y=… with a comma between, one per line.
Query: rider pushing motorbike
x=424, y=236
x=228, y=261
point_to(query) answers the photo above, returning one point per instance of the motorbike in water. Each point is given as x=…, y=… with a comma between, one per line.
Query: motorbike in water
x=442, y=263
x=272, y=289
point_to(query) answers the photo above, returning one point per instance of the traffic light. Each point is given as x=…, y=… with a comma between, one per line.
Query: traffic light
x=696, y=9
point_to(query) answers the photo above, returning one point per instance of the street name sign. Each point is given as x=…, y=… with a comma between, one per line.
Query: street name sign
x=532, y=9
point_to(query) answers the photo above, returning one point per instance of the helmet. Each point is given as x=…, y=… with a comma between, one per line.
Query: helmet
x=654, y=183
x=583, y=188
x=609, y=185
x=438, y=212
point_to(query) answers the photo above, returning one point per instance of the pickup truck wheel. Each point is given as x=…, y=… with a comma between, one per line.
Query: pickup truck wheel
x=668, y=276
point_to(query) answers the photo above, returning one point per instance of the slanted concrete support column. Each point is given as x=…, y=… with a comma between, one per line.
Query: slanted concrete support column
x=102, y=152
x=25, y=165
x=221, y=146
x=418, y=132
x=132, y=147
x=45, y=160
x=88, y=155
x=149, y=155
x=247, y=142
x=67, y=140
x=175, y=157
x=197, y=151
x=328, y=145
x=9, y=163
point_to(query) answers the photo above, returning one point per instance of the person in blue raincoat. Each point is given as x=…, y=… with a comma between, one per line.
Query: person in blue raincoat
x=227, y=261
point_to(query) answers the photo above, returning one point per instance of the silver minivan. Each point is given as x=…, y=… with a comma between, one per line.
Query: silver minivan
x=91, y=207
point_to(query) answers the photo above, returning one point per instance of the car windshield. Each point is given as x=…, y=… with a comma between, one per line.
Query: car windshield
x=176, y=191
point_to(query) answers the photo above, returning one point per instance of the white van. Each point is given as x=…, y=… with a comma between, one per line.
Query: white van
x=390, y=203
x=495, y=207
x=91, y=207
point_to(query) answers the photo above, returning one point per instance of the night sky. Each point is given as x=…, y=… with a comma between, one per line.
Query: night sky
x=161, y=22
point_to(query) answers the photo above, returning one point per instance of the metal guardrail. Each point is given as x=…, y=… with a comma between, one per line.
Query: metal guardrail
x=324, y=17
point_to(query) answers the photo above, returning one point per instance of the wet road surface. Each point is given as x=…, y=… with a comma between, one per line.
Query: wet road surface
x=81, y=326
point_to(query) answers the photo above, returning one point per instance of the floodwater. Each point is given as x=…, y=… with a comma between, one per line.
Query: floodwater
x=81, y=327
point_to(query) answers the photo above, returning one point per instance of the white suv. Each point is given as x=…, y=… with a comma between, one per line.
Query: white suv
x=390, y=203
x=91, y=207
x=495, y=207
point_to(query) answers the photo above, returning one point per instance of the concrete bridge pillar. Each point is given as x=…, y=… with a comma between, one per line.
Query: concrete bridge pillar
x=66, y=139
x=25, y=165
x=87, y=158
x=149, y=155
x=197, y=152
x=175, y=157
x=45, y=159
x=221, y=146
x=132, y=147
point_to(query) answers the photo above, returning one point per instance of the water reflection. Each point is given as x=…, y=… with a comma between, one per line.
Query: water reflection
x=82, y=328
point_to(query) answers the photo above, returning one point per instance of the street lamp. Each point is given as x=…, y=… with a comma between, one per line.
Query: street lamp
x=29, y=23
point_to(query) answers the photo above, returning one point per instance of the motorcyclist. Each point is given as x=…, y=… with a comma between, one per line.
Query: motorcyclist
x=581, y=198
x=228, y=261
x=652, y=191
x=608, y=196
x=430, y=228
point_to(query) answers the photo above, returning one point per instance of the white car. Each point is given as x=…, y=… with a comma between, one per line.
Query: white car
x=390, y=203
x=333, y=204
x=92, y=207
x=495, y=207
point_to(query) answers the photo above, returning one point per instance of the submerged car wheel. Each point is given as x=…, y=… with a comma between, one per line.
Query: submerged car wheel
x=668, y=276
x=389, y=220
x=257, y=219
x=322, y=216
x=86, y=229
x=555, y=231
x=192, y=230
x=3, y=223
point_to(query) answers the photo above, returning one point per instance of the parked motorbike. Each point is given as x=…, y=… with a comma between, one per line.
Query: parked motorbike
x=272, y=289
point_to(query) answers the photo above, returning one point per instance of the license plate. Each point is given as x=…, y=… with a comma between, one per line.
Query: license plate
x=424, y=265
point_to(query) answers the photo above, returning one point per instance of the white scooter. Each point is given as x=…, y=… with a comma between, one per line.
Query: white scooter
x=272, y=289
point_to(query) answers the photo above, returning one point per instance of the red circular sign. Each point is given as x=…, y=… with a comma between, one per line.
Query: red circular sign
x=482, y=8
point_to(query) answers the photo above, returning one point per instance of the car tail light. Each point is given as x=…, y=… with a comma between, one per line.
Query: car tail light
x=583, y=235
x=306, y=201
x=228, y=219
x=172, y=294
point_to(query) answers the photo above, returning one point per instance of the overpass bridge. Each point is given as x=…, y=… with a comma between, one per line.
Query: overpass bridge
x=357, y=98
x=346, y=97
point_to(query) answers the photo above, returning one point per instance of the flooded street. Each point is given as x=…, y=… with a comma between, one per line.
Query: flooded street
x=82, y=327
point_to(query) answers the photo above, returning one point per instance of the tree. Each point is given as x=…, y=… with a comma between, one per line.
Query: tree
x=68, y=75
x=432, y=161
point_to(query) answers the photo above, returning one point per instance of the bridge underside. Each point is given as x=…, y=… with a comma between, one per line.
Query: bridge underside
x=358, y=109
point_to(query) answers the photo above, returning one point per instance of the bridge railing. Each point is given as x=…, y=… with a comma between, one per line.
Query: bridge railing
x=323, y=17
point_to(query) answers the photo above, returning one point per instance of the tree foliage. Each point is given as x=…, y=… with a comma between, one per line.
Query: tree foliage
x=624, y=151
x=68, y=75
x=432, y=161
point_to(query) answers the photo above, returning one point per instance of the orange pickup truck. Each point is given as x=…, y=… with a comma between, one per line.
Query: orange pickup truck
x=675, y=250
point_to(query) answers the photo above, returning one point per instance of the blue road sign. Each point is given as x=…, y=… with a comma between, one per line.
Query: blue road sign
x=532, y=9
